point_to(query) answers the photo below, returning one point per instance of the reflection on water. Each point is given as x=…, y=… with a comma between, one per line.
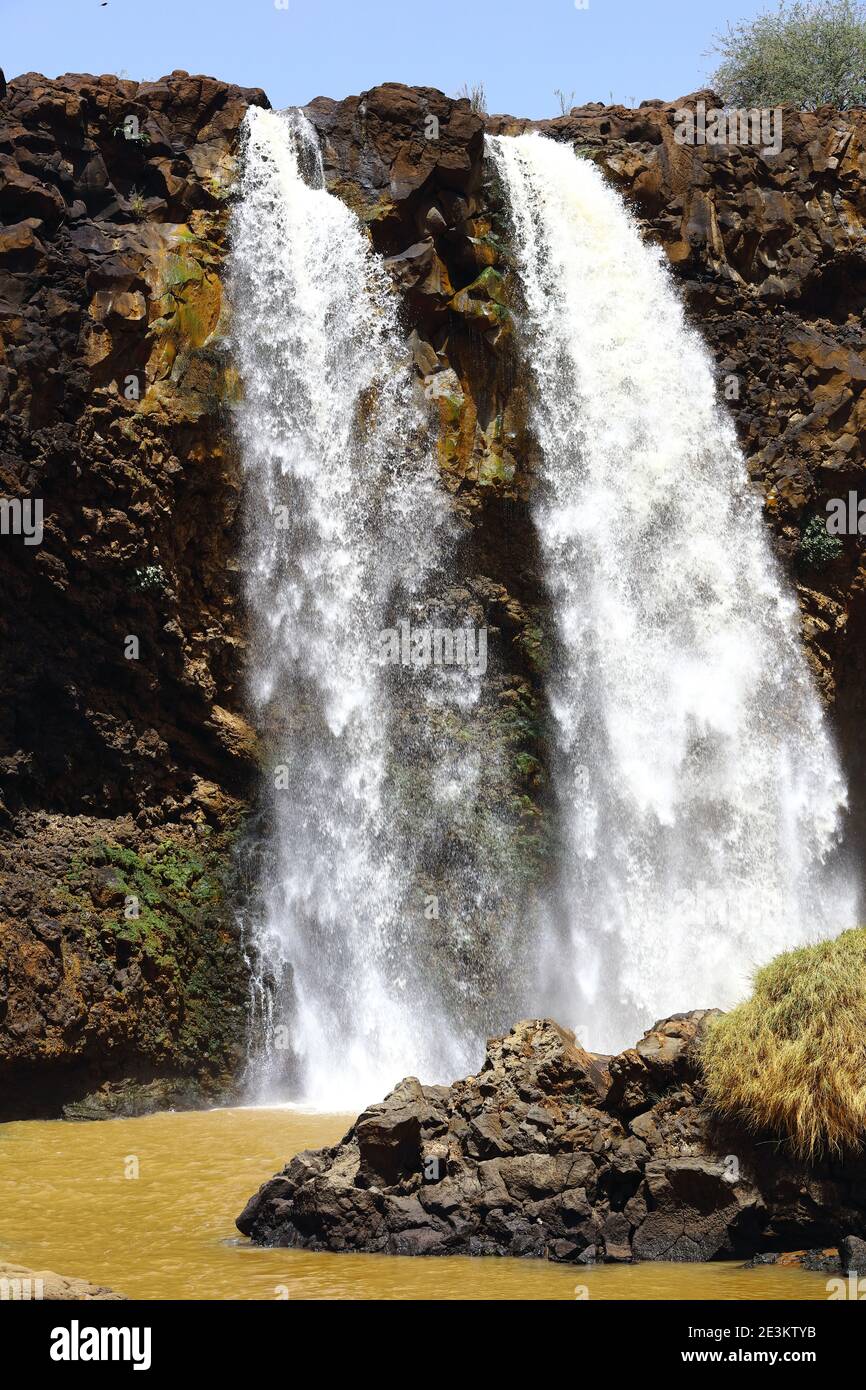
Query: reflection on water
x=68, y=1205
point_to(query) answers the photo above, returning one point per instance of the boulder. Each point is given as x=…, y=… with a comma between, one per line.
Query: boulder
x=852, y=1254
x=541, y=1154
x=389, y=1135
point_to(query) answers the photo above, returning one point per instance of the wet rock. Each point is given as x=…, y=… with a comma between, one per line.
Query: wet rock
x=128, y=1099
x=122, y=986
x=815, y=1261
x=696, y=1213
x=107, y=887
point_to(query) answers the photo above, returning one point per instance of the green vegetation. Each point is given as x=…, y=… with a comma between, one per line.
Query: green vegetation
x=142, y=138
x=182, y=278
x=217, y=188
x=806, y=53
x=166, y=910
x=137, y=204
x=151, y=579
x=817, y=547
x=792, y=1059
x=190, y=303
x=528, y=768
x=534, y=646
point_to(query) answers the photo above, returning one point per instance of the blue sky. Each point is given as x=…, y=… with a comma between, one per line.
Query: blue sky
x=619, y=49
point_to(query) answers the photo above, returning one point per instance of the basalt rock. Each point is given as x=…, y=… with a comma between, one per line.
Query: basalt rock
x=814, y=1261
x=540, y=1155
x=852, y=1255
x=125, y=758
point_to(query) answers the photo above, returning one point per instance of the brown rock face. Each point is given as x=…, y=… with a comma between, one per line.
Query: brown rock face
x=124, y=750
x=111, y=384
x=540, y=1155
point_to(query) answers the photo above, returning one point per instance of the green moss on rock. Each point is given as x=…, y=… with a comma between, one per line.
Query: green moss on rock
x=161, y=914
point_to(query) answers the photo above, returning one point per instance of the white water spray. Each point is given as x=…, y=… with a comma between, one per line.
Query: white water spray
x=699, y=792
x=699, y=789
x=344, y=517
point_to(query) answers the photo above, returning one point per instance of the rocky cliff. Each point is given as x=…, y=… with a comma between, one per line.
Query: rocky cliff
x=124, y=757
x=126, y=763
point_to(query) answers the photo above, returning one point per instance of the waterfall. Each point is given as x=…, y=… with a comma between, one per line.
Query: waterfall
x=345, y=521
x=384, y=929
x=699, y=799
x=698, y=788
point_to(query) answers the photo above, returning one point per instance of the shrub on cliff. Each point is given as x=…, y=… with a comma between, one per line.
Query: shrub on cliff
x=807, y=52
x=792, y=1059
x=817, y=547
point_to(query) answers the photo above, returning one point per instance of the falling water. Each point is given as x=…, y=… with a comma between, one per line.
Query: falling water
x=347, y=531
x=342, y=510
x=699, y=795
x=698, y=786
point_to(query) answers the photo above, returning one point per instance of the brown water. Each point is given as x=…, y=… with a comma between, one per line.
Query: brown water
x=66, y=1204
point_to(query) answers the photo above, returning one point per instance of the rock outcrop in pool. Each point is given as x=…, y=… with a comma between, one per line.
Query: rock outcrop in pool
x=551, y=1151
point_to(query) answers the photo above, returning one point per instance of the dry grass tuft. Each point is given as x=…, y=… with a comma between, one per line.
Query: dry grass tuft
x=476, y=94
x=792, y=1059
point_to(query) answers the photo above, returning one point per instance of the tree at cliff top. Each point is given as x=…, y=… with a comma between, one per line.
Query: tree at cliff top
x=805, y=53
x=792, y=1059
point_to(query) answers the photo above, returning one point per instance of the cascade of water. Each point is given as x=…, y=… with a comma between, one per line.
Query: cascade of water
x=699, y=794
x=699, y=790
x=345, y=518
